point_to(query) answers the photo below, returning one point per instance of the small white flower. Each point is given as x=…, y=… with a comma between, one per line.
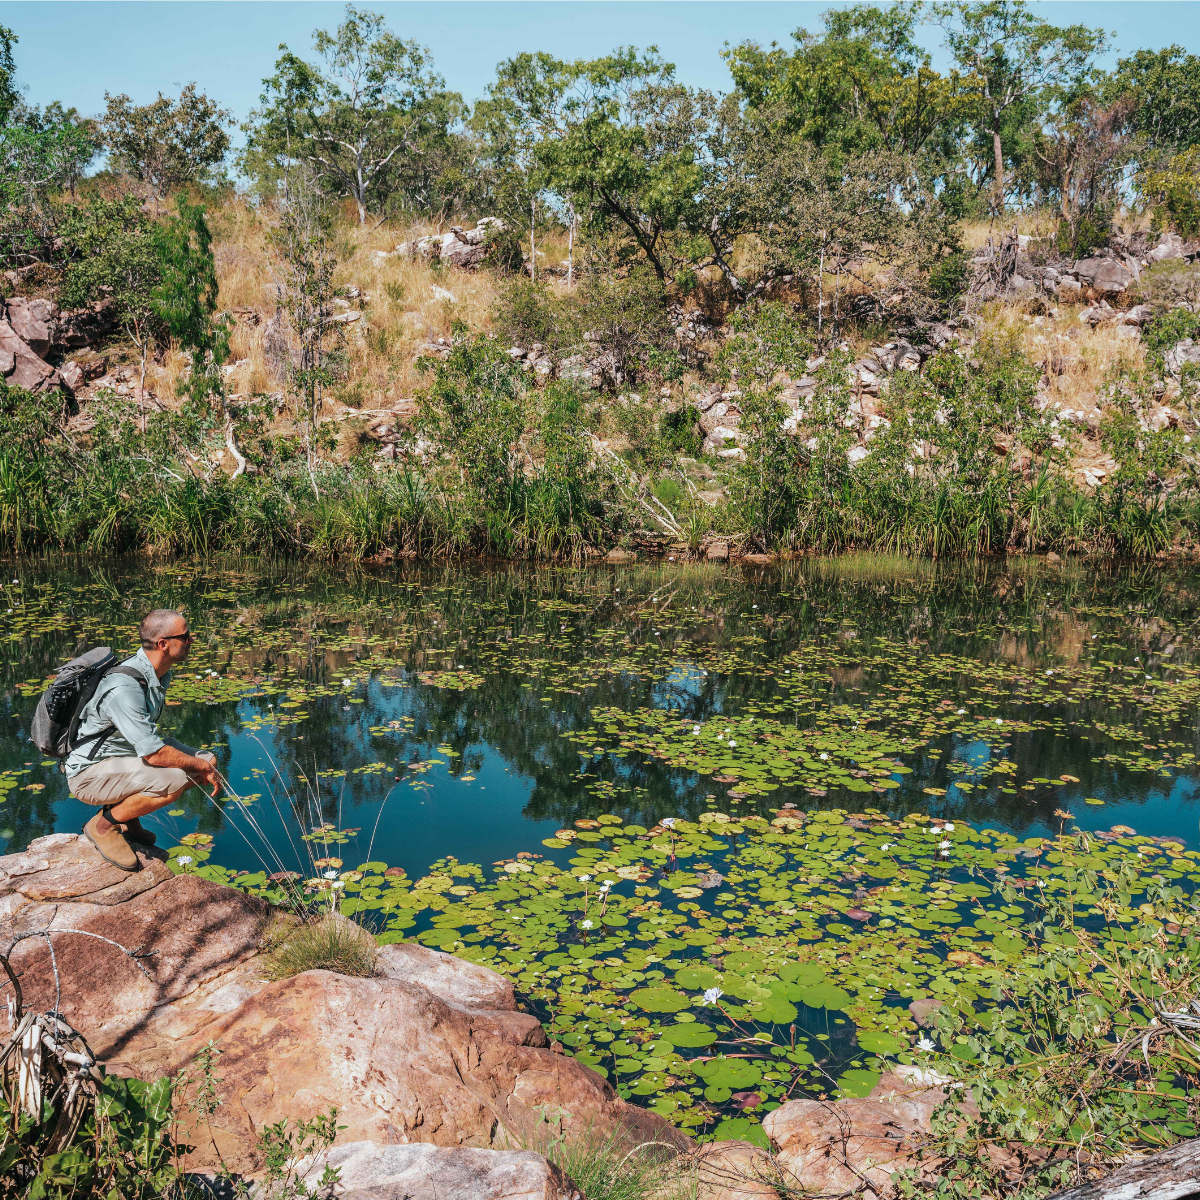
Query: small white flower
x=961, y=711
x=944, y=845
x=925, y=1044
x=605, y=886
x=754, y=606
x=824, y=756
x=935, y=829
x=711, y=995
x=331, y=874
x=184, y=859
x=696, y=731
x=732, y=742
x=668, y=822
x=347, y=682
x=886, y=846
x=583, y=878
x=338, y=884
x=999, y=721
x=585, y=924
x=949, y=826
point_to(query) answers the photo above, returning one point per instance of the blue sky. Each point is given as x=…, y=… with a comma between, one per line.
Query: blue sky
x=75, y=52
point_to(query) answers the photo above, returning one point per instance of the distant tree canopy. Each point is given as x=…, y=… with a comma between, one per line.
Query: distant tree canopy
x=845, y=151
x=372, y=119
x=168, y=142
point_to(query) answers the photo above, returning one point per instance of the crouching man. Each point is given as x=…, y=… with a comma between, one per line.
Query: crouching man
x=119, y=761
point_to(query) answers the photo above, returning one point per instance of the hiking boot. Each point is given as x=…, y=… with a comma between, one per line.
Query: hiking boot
x=111, y=844
x=138, y=834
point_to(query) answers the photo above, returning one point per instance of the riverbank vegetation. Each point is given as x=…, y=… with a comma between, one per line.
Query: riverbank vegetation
x=833, y=308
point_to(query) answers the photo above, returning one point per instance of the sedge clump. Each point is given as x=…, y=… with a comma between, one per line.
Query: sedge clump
x=325, y=943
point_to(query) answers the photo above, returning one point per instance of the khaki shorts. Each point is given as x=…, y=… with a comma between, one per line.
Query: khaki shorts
x=111, y=780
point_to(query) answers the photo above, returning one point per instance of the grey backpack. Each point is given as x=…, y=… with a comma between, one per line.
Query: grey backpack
x=54, y=729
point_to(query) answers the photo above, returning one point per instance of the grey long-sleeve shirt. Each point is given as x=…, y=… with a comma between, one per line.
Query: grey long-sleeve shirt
x=119, y=701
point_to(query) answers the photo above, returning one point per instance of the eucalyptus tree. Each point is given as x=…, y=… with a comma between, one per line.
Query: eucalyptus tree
x=1013, y=62
x=863, y=83
x=360, y=117
x=168, y=142
x=617, y=138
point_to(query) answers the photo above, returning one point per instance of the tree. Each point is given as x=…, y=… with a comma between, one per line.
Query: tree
x=113, y=253
x=303, y=261
x=186, y=300
x=863, y=84
x=1011, y=57
x=9, y=96
x=76, y=139
x=166, y=143
x=616, y=136
x=37, y=159
x=352, y=118
x=1081, y=154
x=1165, y=86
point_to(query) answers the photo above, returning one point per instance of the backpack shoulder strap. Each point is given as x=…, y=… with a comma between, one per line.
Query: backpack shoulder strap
x=98, y=739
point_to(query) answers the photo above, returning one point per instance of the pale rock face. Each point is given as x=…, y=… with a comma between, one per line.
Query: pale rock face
x=1185, y=352
x=371, y=1171
x=21, y=367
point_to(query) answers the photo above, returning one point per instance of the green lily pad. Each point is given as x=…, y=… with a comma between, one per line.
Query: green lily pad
x=659, y=999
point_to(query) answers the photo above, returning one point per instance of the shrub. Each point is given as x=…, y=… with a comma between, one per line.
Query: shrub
x=1174, y=191
x=948, y=276
x=326, y=943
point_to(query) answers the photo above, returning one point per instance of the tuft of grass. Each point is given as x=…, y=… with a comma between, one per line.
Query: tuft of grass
x=607, y=1166
x=325, y=943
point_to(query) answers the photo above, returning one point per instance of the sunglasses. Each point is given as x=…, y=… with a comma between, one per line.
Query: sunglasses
x=185, y=636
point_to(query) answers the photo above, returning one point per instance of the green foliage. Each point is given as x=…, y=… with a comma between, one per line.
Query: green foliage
x=1170, y=327
x=627, y=322
x=166, y=143
x=10, y=97
x=1165, y=85
x=617, y=136
x=1057, y=1059
x=528, y=312
x=949, y=274
x=863, y=84
x=372, y=120
x=38, y=156
x=1174, y=191
x=679, y=432
x=186, y=299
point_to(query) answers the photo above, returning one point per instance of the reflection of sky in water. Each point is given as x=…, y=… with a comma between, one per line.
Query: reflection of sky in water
x=515, y=779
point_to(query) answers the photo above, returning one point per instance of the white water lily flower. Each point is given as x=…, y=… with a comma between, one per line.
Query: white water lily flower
x=949, y=826
x=886, y=846
x=583, y=878
x=824, y=756
x=999, y=722
x=668, y=822
x=184, y=859
x=925, y=1044
x=330, y=874
x=711, y=995
x=605, y=886
x=961, y=711
x=732, y=742
x=340, y=883
x=585, y=924
x=347, y=682
x=944, y=845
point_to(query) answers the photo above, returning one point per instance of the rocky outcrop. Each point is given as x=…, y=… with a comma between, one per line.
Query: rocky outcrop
x=21, y=367
x=432, y=1050
x=462, y=248
x=832, y=1148
x=370, y=1171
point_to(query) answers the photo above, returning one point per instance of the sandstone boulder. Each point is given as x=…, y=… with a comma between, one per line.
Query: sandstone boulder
x=1104, y=275
x=21, y=367
x=33, y=321
x=1184, y=353
x=834, y=1148
x=80, y=327
x=432, y=1051
x=370, y=1171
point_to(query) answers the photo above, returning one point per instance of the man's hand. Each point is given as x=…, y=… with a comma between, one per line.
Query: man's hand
x=202, y=767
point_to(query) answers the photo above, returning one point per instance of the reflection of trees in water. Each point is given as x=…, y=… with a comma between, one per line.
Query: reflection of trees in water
x=300, y=622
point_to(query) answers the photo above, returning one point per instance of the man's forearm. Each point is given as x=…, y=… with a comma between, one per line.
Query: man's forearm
x=169, y=756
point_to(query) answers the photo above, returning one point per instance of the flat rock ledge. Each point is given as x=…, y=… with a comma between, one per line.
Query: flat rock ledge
x=430, y=1060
